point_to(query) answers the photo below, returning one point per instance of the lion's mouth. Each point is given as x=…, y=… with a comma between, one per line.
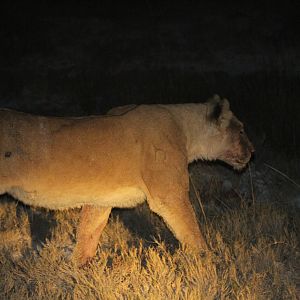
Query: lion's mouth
x=238, y=163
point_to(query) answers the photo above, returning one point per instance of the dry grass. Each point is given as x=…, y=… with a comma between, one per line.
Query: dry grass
x=254, y=255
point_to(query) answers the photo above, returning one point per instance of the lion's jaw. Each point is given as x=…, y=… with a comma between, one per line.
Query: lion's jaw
x=239, y=155
x=237, y=162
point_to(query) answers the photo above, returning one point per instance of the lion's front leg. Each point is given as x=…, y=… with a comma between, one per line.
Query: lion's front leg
x=93, y=219
x=167, y=182
x=176, y=210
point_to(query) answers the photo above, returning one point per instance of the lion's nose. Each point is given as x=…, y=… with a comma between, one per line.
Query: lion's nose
x=252, y=148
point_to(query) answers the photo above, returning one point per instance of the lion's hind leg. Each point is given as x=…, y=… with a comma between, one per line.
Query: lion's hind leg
x=93, y=219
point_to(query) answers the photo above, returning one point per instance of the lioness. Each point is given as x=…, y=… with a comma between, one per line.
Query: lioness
x=121, y=160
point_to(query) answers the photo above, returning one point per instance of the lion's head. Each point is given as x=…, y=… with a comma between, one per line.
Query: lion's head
x=234, y=146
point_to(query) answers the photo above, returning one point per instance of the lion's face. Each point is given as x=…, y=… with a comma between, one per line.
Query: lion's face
x=238, y=147
x=231, y=141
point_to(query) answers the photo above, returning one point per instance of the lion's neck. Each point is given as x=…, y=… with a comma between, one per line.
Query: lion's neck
x=200, y=141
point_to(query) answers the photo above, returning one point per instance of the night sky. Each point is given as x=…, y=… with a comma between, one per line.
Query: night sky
x=66, y=58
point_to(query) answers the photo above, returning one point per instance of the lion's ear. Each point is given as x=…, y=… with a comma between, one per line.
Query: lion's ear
x=215, y=99
x=226, y=115
x=219, y=111
x=225, y=105
x=214, y=108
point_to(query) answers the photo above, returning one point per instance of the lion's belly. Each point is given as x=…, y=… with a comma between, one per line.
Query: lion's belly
x=121, y=197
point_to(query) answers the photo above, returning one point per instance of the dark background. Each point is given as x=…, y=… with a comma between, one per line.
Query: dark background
x=66, y=58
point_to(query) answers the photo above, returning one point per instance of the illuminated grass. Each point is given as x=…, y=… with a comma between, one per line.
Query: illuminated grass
x=253, y=256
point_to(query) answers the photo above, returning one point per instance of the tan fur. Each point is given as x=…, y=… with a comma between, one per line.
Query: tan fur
x=136, y=154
